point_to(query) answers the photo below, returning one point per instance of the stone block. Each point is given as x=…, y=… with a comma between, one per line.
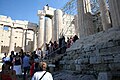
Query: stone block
x=92, y=48
x=99, y=45
x=76, y=61
x=68, y=67
x=85, y=60
x=78, y=68
x=72, y=67
x=79, y=61
x=104, y=76
x=87, y=48
x=114, y=66
x=117, y=42
x=95, y=60
x=62, y=62
x=108, y=58
x=110, y=44
x=117, y=58
x=110, y=50
x=104, y=45
x=87, y=77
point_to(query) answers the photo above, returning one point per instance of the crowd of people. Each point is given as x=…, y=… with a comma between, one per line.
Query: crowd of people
x=22, y=63
x=61, y=46
x=16, y=65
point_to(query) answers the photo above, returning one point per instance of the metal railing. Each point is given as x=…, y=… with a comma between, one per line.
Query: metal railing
x=57, y=51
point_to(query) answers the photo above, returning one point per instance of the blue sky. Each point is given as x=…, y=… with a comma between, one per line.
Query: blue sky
x=27, y=9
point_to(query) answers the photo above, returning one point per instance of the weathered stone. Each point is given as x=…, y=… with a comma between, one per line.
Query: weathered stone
x=62, y=62
x=108, y=59
x=117, y=58
x=76, y=61
x=114, y=66
x=110, y=49
x=85, y=60
x=95, y=60
x=78, y=68
x=101, y=67
x=104, y=76
x=80, y=61
x=88, y=77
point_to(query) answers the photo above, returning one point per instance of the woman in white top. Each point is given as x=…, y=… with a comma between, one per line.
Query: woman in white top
x=42, y=74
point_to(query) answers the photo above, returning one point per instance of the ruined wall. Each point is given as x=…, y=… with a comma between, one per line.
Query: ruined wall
x=94, y=54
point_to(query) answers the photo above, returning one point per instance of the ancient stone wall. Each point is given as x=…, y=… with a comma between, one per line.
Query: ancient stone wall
x=94, y=54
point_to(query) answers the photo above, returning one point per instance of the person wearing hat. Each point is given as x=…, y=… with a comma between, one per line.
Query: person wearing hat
x=42, y=74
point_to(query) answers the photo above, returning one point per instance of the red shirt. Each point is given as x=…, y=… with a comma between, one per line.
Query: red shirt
x=32, y=69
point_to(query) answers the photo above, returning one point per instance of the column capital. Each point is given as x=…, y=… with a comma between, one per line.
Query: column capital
x=41, y=13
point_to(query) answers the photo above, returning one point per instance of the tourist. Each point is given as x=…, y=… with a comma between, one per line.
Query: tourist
x=46, y=49
x=17, y=62
x=55, y=45
x=11, y=58
x=68, y=42
x=39, y=53
x=32, y=66
x=51, y=47
x=21, y=54
x=75, y=38
x=7, y=73
x=6, y=58
x=42, y=74
x=26, y=65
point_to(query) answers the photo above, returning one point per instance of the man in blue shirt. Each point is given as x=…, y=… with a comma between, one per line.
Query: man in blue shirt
x=26, y=65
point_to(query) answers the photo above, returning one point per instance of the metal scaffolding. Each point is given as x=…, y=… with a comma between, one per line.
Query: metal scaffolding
x=70, y=8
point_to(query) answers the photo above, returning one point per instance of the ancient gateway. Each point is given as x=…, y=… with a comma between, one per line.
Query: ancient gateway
x=30, y=36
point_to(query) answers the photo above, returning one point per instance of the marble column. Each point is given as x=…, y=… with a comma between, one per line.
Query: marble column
x=48, y=30
x=23, y=39
x=11, y=43
x=104, y=15
x=53, y=37
x=76, y=25
x=88, y=24
x=81, y=13
x=58, y=24
x=114, y=6
x=1, y=29
x=87, y=6
x=35, y=41
x=85, y=22
x=41, y=31
x=25, y=43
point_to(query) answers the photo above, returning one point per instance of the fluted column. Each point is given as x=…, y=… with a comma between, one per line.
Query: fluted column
x=41, y=30
x=35, y=41
x=76, y=25
x=23, y=40
x=1, y=28
x=87, y=6
x=53, y=37
x=48, y=30
x=81, y=13
x=11, y=43
x=25, y=43
x=114, y=6
x=104, y=15
x=58, y=24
